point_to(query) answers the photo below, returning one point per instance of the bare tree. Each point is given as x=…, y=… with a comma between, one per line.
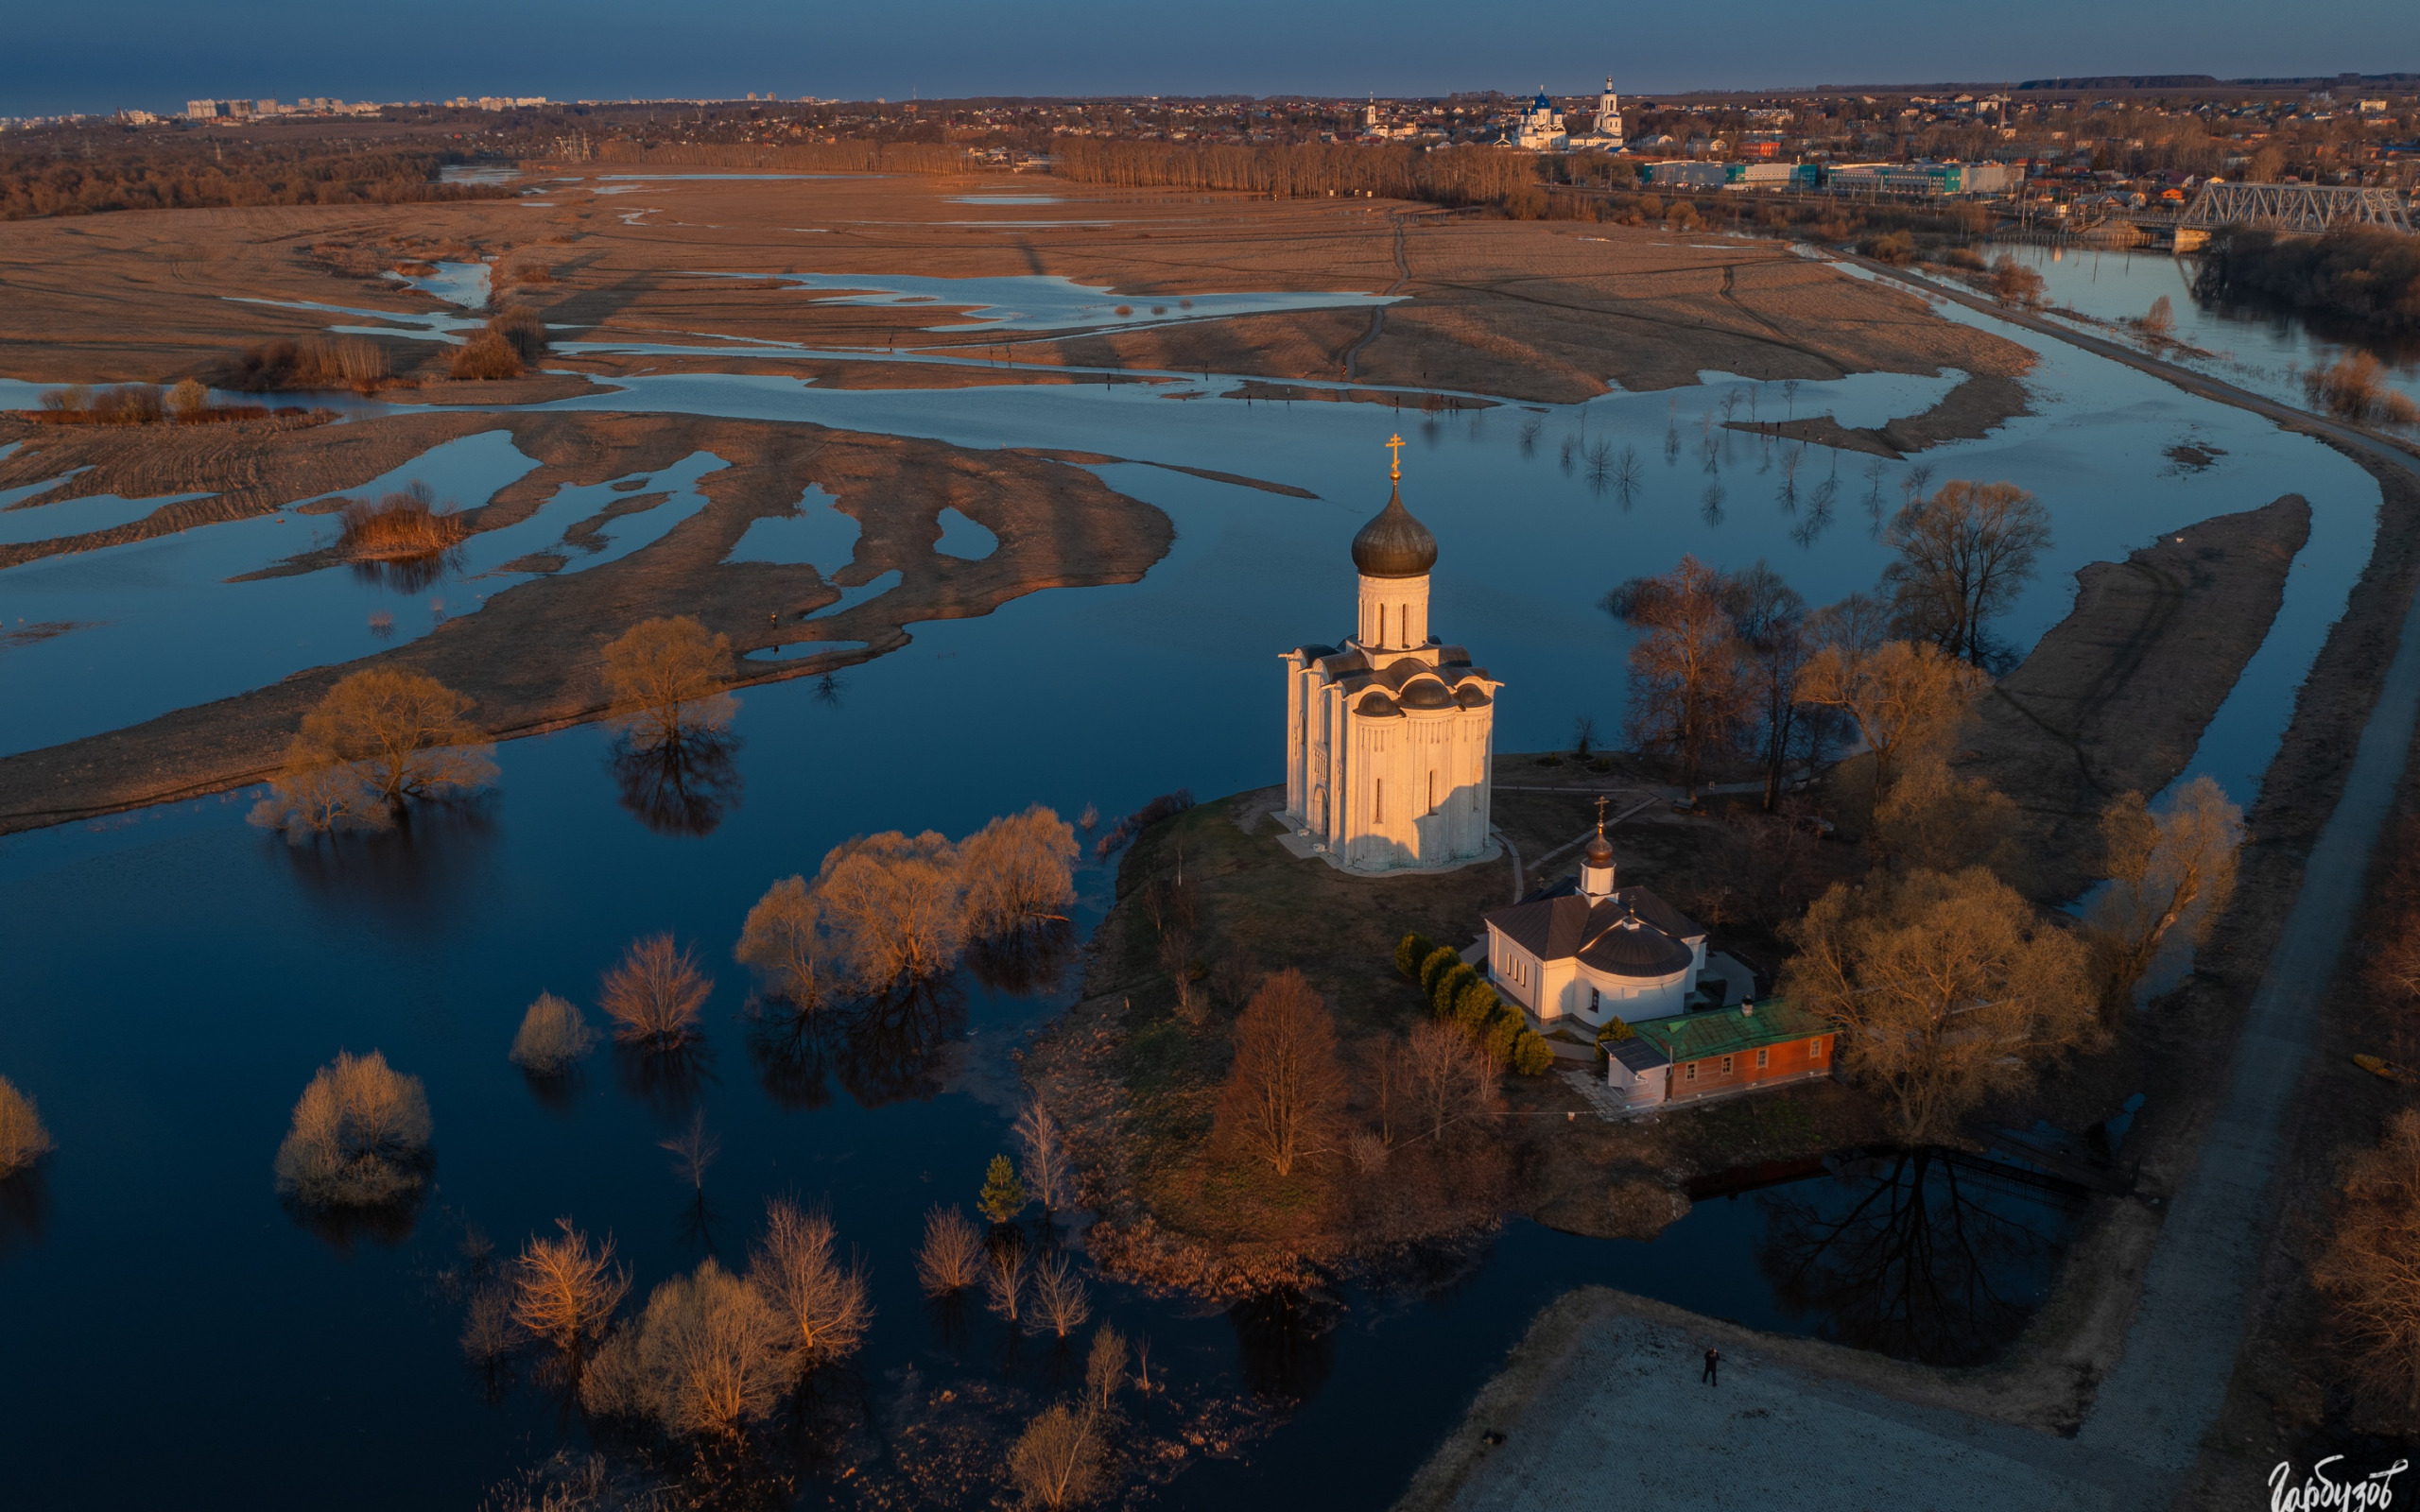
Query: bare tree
x=552, y=1038
x=1685, y=688
x=665, y=680
x=1905, y=697
x=827, y=1306
x=2013, y=282
x=1933, y=819
x=1284, y=1089
x=360, y=1136
x=2370, y=1267
x=1965, y=555
x=23, y=1137
x=1060, y=1304
x=1947, y=989
x=654, y=995
x=706, y=1358
x=388, y=737
x=782, y=940
x=564, y=1293
x=1447, y=1078
x=1044, y=1166
x=1004, y=1280
x=1770, y=619
x=951, y=1258
x=2159, y=321
x=2170, y=870
x=487, y=1335
x=1057, y=1461
x=1018, y=873
x=1104, y=1369
x=893, y=906
x=693, y=1151
x=1583, y=734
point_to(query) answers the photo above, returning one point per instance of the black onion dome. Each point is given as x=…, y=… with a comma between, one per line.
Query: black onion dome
x=1395, y=544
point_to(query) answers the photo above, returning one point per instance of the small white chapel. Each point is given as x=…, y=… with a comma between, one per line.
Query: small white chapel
x=1388, y=737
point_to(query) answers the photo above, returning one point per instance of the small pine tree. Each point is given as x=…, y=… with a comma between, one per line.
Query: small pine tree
x=1003, y=1195
x=1411, y=952
x=1476, y=1004
x=1531, y=1055
x=1439, y=961
x=1446, y=992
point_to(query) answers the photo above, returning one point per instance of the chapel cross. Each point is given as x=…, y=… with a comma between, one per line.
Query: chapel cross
x=1394, y=456
x=1601, y=800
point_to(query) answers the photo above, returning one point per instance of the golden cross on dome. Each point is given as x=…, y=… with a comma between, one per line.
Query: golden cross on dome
x=1394, y=451
x=1602, y=801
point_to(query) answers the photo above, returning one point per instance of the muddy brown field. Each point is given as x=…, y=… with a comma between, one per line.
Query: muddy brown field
x=1526, y=310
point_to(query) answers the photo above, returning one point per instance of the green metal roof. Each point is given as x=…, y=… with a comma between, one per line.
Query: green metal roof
x=1729, y=1031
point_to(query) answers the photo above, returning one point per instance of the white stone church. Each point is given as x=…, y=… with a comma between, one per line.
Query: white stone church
x=1388, y=736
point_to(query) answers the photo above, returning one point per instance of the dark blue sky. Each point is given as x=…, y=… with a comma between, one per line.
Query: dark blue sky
x=156, y=52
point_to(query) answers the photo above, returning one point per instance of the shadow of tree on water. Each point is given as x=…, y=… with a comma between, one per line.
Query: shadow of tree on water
x=682, y=787
x=1920, y=1254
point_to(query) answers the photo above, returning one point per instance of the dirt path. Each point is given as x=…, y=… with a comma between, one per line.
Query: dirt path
x=1378, y=316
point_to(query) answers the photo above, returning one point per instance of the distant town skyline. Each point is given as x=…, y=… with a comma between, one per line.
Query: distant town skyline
x=155, y=55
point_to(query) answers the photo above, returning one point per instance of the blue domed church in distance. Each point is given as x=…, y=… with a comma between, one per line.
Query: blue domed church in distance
x=1389, y=736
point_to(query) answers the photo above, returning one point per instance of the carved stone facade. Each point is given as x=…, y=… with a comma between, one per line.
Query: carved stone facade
x=1388, y=737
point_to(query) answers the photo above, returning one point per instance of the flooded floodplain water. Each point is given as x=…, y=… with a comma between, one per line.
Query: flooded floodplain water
x=176, y=977
x=2263, y=350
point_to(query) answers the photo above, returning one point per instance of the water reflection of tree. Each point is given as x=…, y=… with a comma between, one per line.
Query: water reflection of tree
x=890, y=1046
x=1923, y=1264
x=792, y=1053
x=1023, y=962
x=678, y=786
x=1285, y=1344
x=668, y=1081
x=340, y=1229
x=25, y=1210
x=408, y=574
x=881, y=1049
x=415, y=876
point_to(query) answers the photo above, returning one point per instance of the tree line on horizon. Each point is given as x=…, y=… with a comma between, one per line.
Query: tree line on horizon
x=171, y=171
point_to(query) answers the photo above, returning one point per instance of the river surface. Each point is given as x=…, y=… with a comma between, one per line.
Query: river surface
x=176, y=977
x=2253, y=347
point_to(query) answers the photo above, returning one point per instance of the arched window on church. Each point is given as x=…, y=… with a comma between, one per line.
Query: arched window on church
x=1432, y=792
x=1378, y=800
x=1403, y=623
x=1382, y=625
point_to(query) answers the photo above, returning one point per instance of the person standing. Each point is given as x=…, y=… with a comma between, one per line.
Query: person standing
x=1713, y=1358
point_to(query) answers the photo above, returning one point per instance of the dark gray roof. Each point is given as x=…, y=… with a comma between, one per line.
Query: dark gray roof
x=1633, y=933
x=1637, y=1053
x=1426, y=693
x=1630, y=947
x=1393, y=544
